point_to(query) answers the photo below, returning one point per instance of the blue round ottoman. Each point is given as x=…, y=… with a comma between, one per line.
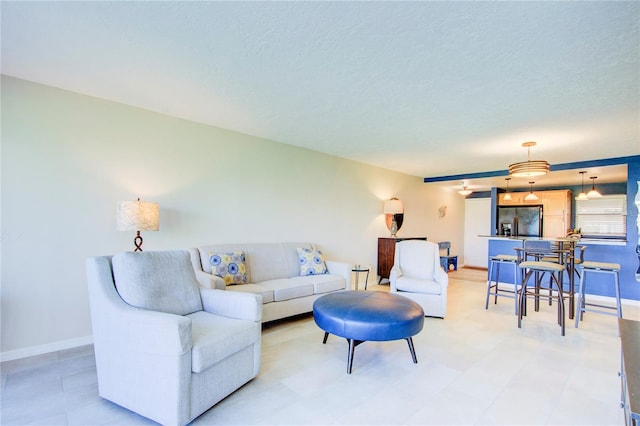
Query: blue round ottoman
x=359, y=316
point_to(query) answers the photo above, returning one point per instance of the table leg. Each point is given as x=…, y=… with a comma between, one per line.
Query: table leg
x=412, y=350
x=352, y=345
x=572, y=265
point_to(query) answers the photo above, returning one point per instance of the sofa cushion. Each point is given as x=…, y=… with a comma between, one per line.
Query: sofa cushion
x=158, y=281
x=216, y=337
x=323, y=283
x=265, y=261
x=286, y=288
x=418, y=285
x=231, y=267
x=311, y=261
x=267, y=294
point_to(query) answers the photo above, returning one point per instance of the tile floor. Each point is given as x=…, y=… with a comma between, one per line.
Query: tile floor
x=474, y=367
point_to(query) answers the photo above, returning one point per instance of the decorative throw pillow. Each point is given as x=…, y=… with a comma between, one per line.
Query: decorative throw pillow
x=311, y=262
x=231, y=267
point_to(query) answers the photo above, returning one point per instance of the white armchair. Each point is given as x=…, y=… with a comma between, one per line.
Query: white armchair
x=165, y=348
x=417, y=274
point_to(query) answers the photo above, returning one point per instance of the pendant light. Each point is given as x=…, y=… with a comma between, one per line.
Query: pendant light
x=507, y=195
x=464, y=191
x=593, y=193
x=529, y=168
x=582, y=196
x=531, y=196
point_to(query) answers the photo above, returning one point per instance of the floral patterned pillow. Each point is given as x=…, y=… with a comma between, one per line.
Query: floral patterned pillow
x=231, y=267
x=311, y=262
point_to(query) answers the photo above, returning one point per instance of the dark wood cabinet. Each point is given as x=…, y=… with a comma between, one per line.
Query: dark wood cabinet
x=386, y=253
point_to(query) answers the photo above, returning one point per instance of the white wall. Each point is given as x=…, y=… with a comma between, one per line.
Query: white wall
x=68, y=159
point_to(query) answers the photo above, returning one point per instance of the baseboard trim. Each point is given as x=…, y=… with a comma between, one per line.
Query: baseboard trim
x=45, y=349
x=477, y=268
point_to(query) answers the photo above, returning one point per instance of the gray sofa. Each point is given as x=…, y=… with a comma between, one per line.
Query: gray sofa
x=273, y=271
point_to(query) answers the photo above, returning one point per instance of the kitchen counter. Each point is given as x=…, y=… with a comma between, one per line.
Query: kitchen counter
x=584, y=241
x=597, y=250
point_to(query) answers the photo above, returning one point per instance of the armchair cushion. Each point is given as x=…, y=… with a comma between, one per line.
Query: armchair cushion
x=161, y=281
x=216, y=337
x=418, y=286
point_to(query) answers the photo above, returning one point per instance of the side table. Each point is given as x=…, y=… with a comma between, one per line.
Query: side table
x=359, y=270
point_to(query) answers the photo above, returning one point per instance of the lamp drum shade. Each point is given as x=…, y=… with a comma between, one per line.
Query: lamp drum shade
x=393, y=206
x=138, y=216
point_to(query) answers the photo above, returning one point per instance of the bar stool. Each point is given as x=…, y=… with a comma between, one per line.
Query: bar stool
x=603, y=268
x=541, y=268
x=502, y=259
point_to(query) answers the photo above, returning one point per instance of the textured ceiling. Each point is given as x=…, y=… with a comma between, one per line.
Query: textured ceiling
x=425, y=88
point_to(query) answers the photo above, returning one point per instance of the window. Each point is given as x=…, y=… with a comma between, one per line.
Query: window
x=604, y=217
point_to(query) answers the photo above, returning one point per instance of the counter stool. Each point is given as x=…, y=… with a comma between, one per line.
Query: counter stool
x=603, y=268
x=502, y=259
x=541, y=268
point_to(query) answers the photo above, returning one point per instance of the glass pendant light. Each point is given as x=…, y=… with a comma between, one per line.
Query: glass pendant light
x=593, y=193
x=507, y=195
x=582, y=196
x=531, y=196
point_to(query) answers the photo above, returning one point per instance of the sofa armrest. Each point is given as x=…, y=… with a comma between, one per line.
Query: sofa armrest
x=205, y=279
x=210, y=281
x=342, y=269
x=232, y=304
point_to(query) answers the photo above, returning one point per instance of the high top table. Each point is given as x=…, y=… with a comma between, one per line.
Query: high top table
x=565, y=255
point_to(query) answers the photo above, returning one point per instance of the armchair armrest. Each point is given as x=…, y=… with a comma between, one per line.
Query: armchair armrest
x=117, y=324
x=342, y=269
x=232, y=304
x=394, y=274
x=440, y=276
x=152, y=332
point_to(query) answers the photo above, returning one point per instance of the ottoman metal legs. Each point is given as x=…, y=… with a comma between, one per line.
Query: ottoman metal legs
x=353, y=343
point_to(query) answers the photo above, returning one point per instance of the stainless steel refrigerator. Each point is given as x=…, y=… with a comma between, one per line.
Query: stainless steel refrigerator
x=520, y=221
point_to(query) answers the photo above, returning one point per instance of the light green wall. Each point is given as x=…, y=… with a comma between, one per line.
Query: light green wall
x=67, y=160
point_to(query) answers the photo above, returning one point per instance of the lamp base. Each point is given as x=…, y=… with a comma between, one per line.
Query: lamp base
x=394, y=228
x=137, y=241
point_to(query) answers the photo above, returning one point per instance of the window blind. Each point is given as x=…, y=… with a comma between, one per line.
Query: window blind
x=602, y=217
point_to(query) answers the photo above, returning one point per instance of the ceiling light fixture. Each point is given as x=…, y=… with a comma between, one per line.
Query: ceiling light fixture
x=582, y=196
x=529, y=168
x=507, y=196
x=531, y=196
x=593, y=193
x=464, y=191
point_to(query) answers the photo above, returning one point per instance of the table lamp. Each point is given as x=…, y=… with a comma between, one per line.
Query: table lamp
x=138, y=216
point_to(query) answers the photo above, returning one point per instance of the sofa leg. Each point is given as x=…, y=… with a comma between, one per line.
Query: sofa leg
x=326, y=335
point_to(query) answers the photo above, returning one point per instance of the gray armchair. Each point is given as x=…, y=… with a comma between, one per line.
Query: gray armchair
x=165, y=348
